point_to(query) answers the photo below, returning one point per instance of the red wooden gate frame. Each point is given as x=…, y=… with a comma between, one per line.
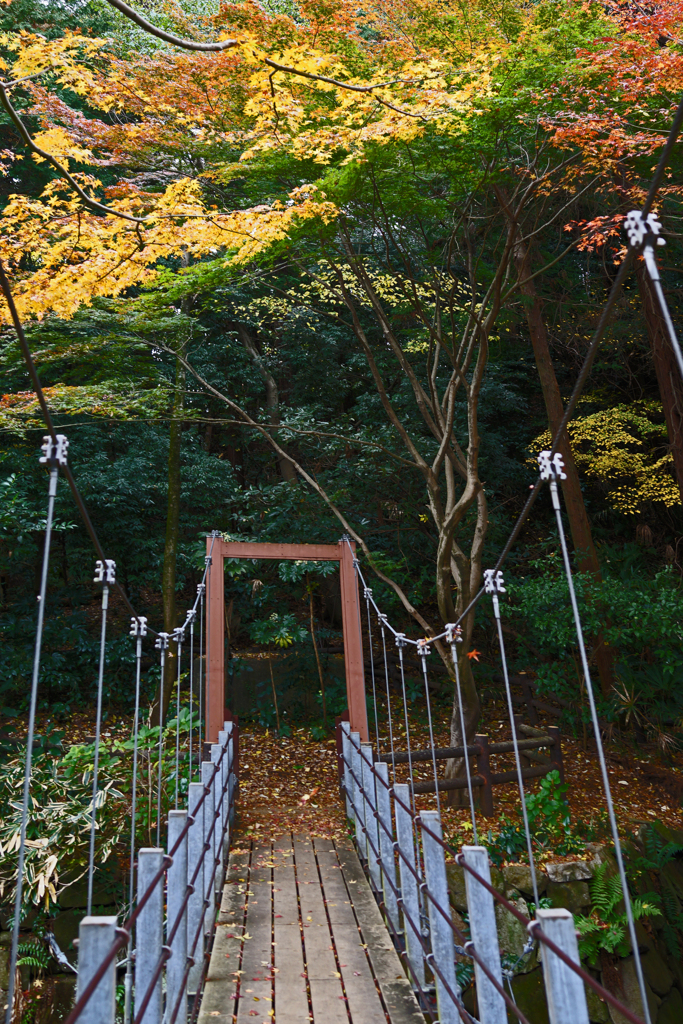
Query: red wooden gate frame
x=215, y=622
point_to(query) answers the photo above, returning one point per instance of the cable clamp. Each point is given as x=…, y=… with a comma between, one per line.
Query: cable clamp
x=208, y=560
x=179, y=635
x=367, y=593
x=552, y=467
x=105, y=571
x=400, y=639
x=493, y=581
x=138, y=626
x=639, y=227
x=161, y=642
x=201, y=587
x=453, y=633
x=423, y=648
x=54, y=452
x=356, y=563
x=191, y=615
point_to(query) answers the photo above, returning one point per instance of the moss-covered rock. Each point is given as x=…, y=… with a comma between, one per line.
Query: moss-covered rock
x=573, y=896
x=671, y=1010
x=529, y=992
x=658, y=976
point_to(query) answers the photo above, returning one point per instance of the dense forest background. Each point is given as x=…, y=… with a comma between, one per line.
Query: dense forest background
x=389, y=360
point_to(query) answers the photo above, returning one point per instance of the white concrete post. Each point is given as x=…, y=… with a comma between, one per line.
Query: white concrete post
x=209, y=839
x=564, y=989
x=371, y=824
x=216, y=751
x=440, y=931
x=96, y=936
x=482, y=918
x=410, y=899
x=386, y=842
x=176, y=892
x=348, y=779
x=357, y=800
x=149, y=935
x=195, y=907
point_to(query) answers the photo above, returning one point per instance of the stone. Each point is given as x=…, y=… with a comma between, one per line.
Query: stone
x=671, y=1010
x=658, y=976
x=597, y=1007
x=529, y=992
x=573, y=896
x=512, y=934
x=628, y=993
x=455, y=876
x=569, y=871
x=602, y=854
x=518, y=876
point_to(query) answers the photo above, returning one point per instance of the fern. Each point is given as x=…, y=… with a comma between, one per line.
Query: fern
x=33, y=954
x=605, y=927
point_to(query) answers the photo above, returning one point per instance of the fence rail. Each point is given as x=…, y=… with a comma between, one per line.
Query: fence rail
x=170, y=947
x=405, y=855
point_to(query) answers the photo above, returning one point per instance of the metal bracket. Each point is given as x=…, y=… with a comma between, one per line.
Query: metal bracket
x=138, y=626
x=54, y=452
x=493, y=581
x=161, y=642
x=105, y=572
x=551, y=468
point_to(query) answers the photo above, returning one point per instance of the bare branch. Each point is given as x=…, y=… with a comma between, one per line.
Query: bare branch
x=185, y=44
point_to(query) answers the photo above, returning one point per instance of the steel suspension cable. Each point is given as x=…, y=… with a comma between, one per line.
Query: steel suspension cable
x=30, y=734
x=201, y=591
x=105, y=574
x=179, y=651
x=368, y=595
x=162, y=646
x=494, y=586
x=138, y=630
x=454, y=636
x=551, y=469
x=382, y=620
x=423, y=650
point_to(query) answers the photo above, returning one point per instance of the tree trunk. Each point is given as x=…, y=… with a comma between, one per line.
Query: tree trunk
x=582, y=537
x=168, y=573
x=666, y=368
x=272, y=395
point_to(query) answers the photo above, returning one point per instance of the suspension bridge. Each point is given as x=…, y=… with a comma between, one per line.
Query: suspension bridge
x=305, y=929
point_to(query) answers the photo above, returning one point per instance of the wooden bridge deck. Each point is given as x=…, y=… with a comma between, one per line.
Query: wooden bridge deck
x=300, y=939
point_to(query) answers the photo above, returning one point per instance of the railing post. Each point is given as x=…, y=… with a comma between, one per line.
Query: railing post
x=195, y=907
x=175, y=895
x=218, y=851
x=209, y=892
x=564, y=988
x=149, y=935
x=358, y=813
x=370, y=808
x=482, y=918
x=224, y=739
x=484, y=770
x=96, y=936
x=440, y=930
x=410, y=900
x=348, y=779
x=555, y=752
x=386, y=842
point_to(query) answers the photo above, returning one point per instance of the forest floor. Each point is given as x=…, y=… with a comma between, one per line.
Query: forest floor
x=290, y=783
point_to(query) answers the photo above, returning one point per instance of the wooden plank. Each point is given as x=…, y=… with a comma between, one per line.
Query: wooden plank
x=327, y=996
x=291, y=993
x=256, y=985
x=220, y=990
x=396, y=990
x=359, y=984
x=264, y=549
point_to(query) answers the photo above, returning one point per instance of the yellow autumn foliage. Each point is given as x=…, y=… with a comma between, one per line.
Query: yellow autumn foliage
x=626, y=452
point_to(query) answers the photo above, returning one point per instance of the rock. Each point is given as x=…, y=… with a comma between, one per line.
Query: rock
x=529, y=993
x=5, y=951
x=455, y=876
x=597, y=1007
x=518, y=876
x=602, y=854
x=658, y=976
x=512, y=934
x=574, y=896
x=629, y=994
x=569, y=871
x=671, y=1010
